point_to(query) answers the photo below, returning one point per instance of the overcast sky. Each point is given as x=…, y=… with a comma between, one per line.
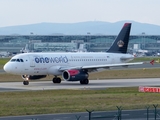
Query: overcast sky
x=21, y=12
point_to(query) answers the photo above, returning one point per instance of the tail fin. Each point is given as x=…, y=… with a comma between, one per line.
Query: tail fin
x=120, y=44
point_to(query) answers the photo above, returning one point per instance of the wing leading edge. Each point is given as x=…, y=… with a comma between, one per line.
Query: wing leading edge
x=99, y=66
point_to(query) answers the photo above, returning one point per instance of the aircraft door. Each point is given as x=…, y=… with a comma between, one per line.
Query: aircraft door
x=32, y=62
x=111, y=59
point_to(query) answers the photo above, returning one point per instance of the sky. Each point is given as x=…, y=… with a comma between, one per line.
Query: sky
x=24, y=12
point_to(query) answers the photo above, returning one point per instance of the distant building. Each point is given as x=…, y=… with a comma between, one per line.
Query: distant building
x=68, y=43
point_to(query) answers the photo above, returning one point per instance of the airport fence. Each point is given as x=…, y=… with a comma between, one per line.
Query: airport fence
x=149, y=113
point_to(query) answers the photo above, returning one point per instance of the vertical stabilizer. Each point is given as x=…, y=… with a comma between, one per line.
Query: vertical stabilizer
x=120, y=44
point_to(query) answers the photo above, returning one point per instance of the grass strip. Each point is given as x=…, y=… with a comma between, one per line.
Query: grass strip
x=68, y=101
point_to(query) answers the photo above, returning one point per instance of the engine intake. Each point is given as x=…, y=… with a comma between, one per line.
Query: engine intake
x=74, y=75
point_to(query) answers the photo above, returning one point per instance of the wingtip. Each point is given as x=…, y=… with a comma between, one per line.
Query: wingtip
x=152, y=62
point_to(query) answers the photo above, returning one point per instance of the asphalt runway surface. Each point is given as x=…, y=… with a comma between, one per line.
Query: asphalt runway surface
x=94, y=84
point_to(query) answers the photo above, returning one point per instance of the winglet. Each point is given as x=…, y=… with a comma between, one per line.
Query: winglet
x=152, y=62
x=120, y=44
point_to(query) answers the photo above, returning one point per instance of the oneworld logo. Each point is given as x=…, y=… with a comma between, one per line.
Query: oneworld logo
x=60, y=59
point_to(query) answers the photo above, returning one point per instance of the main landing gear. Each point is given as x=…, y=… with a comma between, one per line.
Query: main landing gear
x=85, y=81
x=56, y=80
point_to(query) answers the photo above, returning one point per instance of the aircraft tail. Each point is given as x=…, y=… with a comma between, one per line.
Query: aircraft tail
x=120, y=44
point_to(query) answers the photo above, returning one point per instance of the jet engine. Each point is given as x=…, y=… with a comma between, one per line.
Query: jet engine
x=74, y=75
x=33, y=77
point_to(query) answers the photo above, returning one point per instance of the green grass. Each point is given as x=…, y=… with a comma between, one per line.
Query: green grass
x=60, y=101
x=3, y=61
x=141, y=59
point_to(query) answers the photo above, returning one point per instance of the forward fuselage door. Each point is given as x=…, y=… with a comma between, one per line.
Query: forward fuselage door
x=32, y=61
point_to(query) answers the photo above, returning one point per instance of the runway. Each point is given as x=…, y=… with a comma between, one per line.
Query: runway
x=94, y=84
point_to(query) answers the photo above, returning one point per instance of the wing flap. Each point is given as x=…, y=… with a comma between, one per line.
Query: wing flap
x=111, y=65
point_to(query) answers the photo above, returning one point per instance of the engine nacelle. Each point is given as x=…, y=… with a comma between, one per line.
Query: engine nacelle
x=74, y=75
x=33, y=77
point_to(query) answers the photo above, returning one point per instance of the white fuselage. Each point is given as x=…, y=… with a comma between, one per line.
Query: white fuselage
x=49, y=63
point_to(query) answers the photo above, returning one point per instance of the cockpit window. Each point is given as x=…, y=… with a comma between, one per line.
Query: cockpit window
x=13, y=60
x=16, y=60
x=21, y=60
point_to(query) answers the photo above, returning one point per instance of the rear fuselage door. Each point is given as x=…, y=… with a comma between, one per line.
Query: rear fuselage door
x=110, y=59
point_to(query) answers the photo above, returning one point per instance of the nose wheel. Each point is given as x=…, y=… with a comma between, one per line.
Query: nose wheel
x=26, y=82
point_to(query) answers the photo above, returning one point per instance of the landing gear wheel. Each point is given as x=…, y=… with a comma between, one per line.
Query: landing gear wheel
x=81, y=82
x=25, y=82
x=56, y=80
x=85, y=81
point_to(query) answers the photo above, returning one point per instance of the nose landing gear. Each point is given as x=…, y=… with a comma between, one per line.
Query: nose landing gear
x=25, y=82
x=26, y=79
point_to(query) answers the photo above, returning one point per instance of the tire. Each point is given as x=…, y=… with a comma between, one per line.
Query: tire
x=25, y=82
x=86, y=81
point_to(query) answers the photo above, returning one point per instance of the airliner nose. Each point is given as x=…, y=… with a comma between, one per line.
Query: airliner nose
x=7, y=68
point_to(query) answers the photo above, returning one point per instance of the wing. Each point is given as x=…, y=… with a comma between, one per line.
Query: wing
x=91, y=67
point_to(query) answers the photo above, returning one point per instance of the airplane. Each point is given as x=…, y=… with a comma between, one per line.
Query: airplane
x=71, y=66
x=4, y=54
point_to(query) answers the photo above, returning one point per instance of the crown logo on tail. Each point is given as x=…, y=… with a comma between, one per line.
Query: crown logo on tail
x=120, y=43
